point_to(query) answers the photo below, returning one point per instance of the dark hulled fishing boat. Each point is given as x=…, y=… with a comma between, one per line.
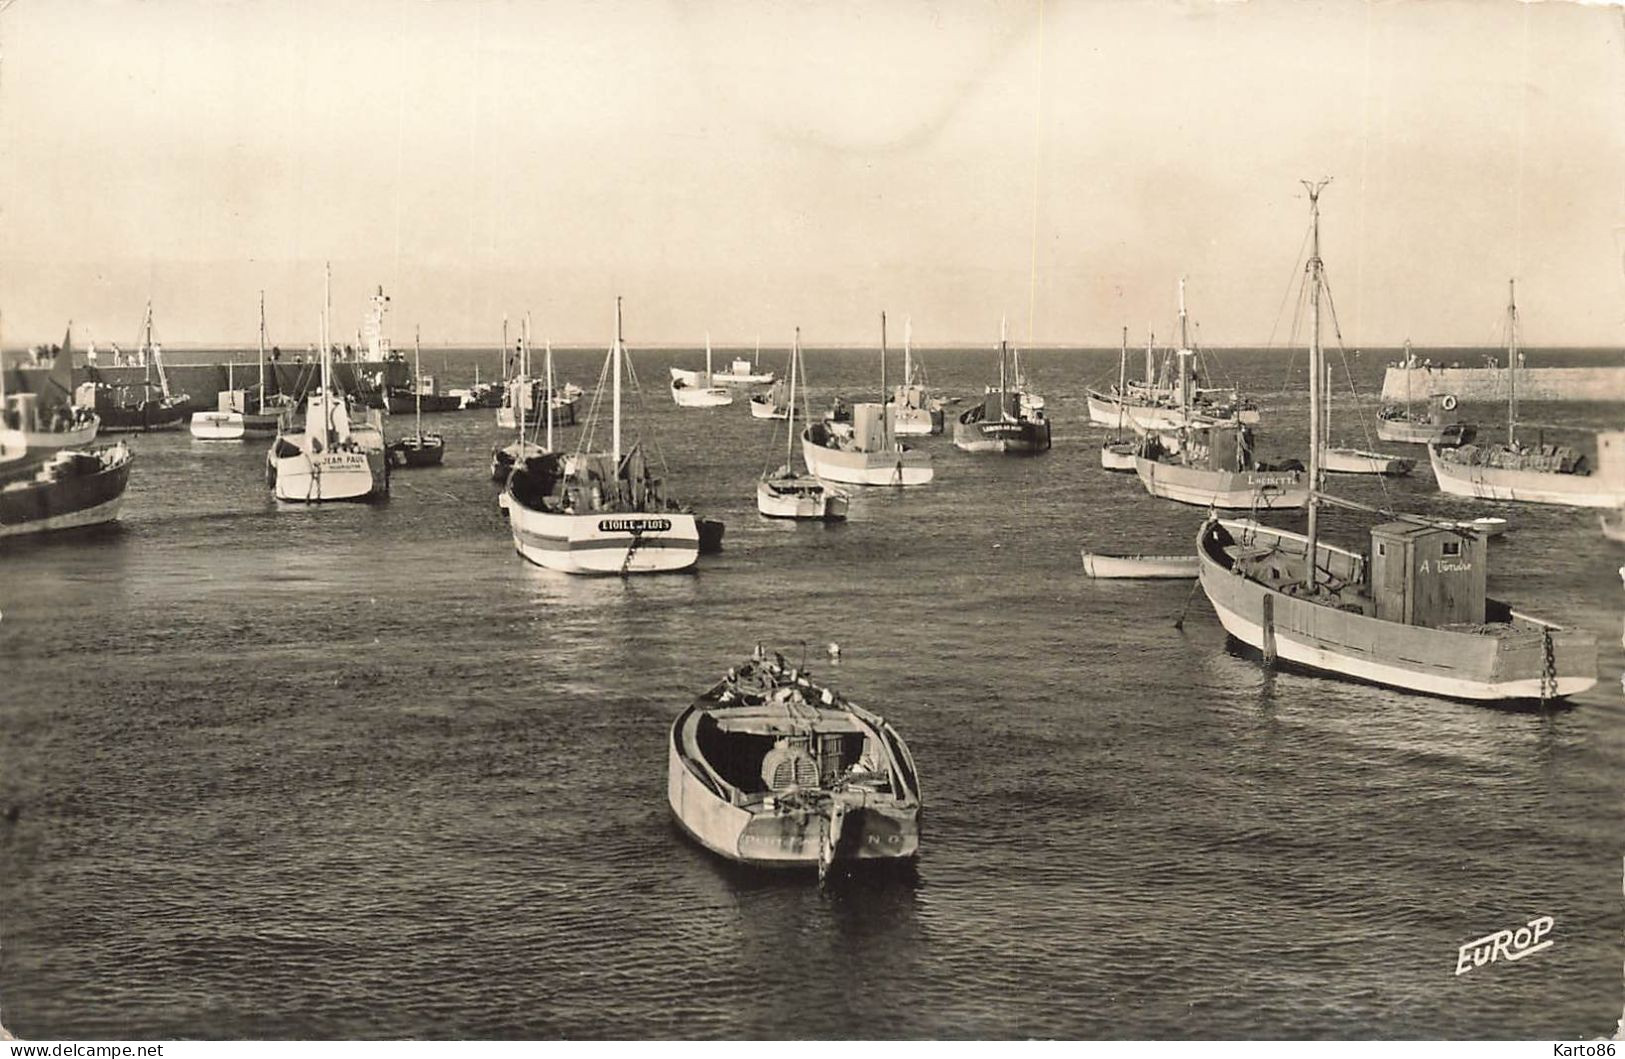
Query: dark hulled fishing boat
x=418, y=449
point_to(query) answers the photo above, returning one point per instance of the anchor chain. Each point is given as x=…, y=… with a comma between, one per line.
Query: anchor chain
x=1548, y=672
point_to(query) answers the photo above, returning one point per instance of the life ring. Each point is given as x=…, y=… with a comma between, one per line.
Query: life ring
x=1448, y=402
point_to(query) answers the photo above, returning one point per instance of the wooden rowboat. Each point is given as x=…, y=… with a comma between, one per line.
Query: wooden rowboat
x=770, y=769
x=1098, y=564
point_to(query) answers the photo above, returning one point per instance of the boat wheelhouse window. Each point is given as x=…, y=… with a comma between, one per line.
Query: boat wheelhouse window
x=1382, y=549
x=1452, y=547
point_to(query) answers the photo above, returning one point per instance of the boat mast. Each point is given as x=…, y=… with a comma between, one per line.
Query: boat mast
x=1512, y=365
x=1003, y=330
x=521, y=384
x=327, y=358
x=417, y=376
x=882, y=359
x=790, y=427
x=1316, y=362
x=615, y=368
x=262, y=348
x=548, y=366
x=1122, y=379
x=908, y=351
x=1150, y=359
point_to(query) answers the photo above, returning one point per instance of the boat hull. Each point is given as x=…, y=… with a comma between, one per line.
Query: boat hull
x=1118, y=456
x=849, y=467
x=327, y=477
x=149, y=417
x=218, y=426
x=918, y=422
x=765, y=409
x=700, y=396
x=1140, y=567
x=800, y=498
x=604, y=542
x=1530, y=487
x=1012, y=436
x=781, y=837
x=77, y=437
x=1356, y=461
x=1226, y=490
x=89, y=499
x=1444, y=662
x=422, y=450
x=1445, y=435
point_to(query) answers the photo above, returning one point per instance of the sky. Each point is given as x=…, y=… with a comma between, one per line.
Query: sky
x=741, y=169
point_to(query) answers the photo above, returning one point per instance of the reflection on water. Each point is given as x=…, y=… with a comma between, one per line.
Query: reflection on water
x=361, y=770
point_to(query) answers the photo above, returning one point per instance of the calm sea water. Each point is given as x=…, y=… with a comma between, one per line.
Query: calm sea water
x=361, y=771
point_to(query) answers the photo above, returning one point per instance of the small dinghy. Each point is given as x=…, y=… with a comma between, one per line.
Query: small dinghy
x=1485, y=527
x=1098, y=564
x=770, y=769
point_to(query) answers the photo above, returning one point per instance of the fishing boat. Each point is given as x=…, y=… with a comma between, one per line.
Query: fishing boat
x=1137, y=566
x=771, y=769
x=917, y=412
x=143, y=408
x=44, y=422
x=1118, y=450
x=330, y=458
x=422, y=395
x=55, y=488
x=703, y=392
x=742, y=372
x=1006, y=420
x=773, y=404
x=1214, y=466
x=1161, y=401
x=1359, y=461
x=418, y=449
x=60, y=489
x=1538, y=473
x=864, y=449
x=782, y=492
x=225, y=423
x=1412, y=613
x=1432, y=424
x=601, y=512
x=523, y=447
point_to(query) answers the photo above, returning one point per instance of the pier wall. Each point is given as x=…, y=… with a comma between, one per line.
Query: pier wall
x=1490, y=384
x=202, y=383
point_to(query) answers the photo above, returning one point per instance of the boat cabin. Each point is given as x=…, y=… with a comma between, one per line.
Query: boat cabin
x=873, y=425
x=1427, y=575
x=1611, y=457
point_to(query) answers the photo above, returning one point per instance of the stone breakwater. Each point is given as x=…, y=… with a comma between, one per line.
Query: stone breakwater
x=1491, y=384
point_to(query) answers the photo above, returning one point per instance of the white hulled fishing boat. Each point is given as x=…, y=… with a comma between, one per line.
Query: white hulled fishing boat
x=770, y=769
x=1161, y=401
x=1536, y=474
x=329, y=458
x=703, y=392
x=1119, y=448
x=1411, y=614
x=1009, y=419
x=864, y=450
x=772, y=404
x=601, y=512
x=917, y=412
x=51, y=420
x=783, y=493
x=742, y=372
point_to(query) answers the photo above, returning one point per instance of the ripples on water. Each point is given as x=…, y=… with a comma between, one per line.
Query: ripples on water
x=352, y=771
